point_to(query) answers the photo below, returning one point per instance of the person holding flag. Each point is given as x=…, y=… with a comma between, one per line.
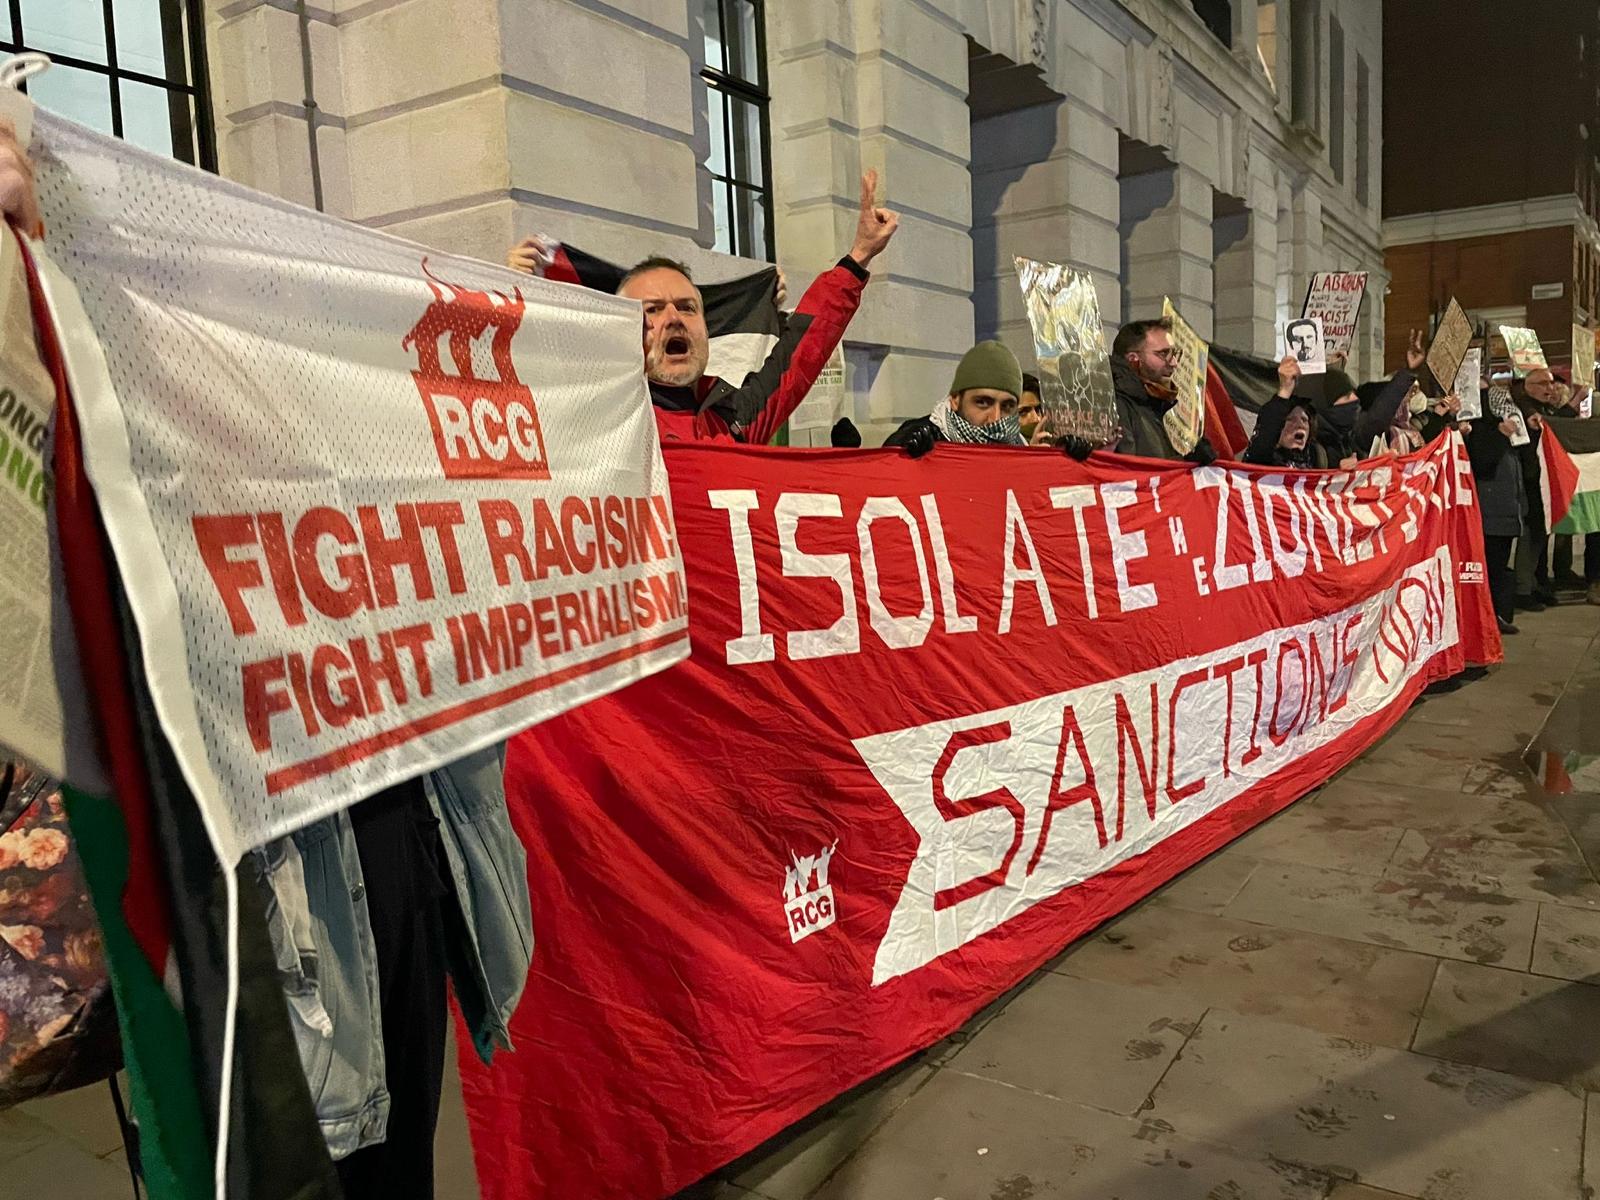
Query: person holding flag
x=691, y=404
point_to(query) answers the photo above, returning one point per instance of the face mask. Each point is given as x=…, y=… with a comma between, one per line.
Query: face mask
x=1342, y=416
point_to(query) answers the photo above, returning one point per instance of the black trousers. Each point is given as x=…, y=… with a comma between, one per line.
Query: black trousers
x=402, y=864
x=1497, y=553
x=1565, y=548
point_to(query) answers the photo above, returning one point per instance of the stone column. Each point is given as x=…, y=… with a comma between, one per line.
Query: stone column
x=258, y=95
x=846, y=97
x=1044, y=185
x=1246, y=270
x=1167, y=244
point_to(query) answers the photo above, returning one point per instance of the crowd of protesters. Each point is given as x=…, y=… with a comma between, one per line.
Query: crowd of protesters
x=1313, y=422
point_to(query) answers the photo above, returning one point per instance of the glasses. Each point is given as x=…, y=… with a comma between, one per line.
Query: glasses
x=1170, y=355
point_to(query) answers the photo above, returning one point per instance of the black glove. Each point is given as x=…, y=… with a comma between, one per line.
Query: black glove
x=1076, y=447
x=919, y=440
x=1202, y=455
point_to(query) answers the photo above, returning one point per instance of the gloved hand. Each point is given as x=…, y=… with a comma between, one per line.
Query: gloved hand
x=1202, y=455
x=1076, y=447
x=920, y=440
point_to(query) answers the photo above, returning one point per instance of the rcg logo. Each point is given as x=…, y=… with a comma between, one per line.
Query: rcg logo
x=483, y=428
x=807, y=898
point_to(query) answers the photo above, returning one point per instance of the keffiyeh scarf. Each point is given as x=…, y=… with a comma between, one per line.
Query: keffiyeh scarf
x=953, y=427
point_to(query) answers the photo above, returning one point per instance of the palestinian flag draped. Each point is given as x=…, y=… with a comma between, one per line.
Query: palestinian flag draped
x=1569, y=484
x=742, y=315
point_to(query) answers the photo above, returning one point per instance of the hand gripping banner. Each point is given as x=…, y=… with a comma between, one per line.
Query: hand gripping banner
x=374, y=507
x=941, y=717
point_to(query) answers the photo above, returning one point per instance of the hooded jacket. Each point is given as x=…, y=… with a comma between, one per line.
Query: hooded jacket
x=1264, y=448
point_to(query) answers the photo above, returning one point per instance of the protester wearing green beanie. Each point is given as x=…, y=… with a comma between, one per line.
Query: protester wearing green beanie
x=988, y=365
x=980, y=410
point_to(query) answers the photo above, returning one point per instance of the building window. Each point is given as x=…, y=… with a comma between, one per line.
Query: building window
x=1218, y=17
x=131, y=68
x=1363, y=133
x=1336, y=98
x=1305, y=59
x=737, y=102
x=1267, y=40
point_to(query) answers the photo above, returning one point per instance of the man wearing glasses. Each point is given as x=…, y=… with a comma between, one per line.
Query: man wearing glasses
x=1142, y=362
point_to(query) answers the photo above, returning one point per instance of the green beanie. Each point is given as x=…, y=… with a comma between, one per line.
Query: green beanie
x=988, y=365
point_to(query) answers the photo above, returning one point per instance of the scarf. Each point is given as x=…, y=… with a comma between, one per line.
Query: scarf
x=953, y=427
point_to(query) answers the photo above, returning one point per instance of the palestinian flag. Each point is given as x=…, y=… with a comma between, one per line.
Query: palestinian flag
x=742, y=315
x=1569, y=486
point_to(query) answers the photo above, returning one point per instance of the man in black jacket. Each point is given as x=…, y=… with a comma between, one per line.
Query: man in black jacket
x=1143, y=360
x=980, y=410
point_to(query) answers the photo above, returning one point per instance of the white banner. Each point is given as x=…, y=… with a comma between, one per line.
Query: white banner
x=1335, y=298
x=374, y=507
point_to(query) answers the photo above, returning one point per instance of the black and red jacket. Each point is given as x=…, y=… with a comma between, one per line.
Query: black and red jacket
x=753, y=411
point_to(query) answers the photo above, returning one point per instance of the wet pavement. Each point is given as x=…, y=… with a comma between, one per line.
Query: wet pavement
x=1391, y=989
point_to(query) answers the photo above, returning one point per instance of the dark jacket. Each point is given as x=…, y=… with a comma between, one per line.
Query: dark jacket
x=1379, y=403
x=753, y=411
x=1264, y=449
x=1140, y=415
x=1528, y=456
x=1502, y=501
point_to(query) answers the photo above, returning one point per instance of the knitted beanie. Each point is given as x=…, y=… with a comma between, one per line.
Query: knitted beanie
x=988, y=365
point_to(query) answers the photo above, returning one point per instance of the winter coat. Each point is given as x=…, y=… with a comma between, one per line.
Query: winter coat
x=1380, y=402
x=1502, y=500
x=1140, y=415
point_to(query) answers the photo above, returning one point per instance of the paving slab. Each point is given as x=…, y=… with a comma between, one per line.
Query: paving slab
x=1388, y=1118
x=792, y=1165
x=455, y=1173
x=1094, y=1043
x=64, y=1171
x=1355, y=804
x=1544, y=873
x=20, y=1133
x=965, y=1138
x=1567, y=944
x=84, y=1116
x=1208, y=886
x=1424, y=916
x=1330, y=984
x=948, y=1047
x=1300, y=835
x=1532, y=1026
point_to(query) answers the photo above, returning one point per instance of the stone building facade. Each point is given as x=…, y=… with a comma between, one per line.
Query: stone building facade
x=1218, y=153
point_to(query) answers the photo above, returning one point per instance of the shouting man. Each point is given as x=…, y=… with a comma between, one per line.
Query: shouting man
x=689, y=403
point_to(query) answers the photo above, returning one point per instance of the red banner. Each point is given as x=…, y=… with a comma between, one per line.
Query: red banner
x=941, y=717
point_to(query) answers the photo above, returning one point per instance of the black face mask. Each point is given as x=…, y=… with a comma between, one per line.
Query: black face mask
x=1341, y=416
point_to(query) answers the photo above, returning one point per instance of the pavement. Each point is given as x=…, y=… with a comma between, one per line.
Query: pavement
x=1391, y=989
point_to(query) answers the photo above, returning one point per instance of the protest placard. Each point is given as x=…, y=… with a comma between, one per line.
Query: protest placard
x=1523, y=349
x=1334, y=298
x=1469, y=384
x=1303, y=341
x=1185, y=421
x=1076, y=391
x=1582, y=357
x=1450, y=342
